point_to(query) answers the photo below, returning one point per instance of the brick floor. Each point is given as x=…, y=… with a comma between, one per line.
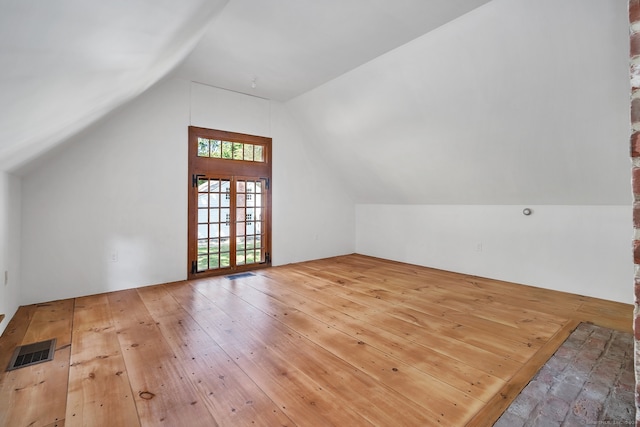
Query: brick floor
x=589, y=380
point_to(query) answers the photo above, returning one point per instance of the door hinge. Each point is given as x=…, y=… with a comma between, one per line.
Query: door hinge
x=266, y=183
x=193, y=267
x=195, y=178
x=267, y=257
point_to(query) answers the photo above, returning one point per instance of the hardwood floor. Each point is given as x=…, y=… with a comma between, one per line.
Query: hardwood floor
x=345, y=341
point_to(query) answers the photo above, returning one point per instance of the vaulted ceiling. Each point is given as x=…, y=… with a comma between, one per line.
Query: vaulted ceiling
x=66, y=63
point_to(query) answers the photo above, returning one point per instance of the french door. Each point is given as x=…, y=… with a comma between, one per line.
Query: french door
x=229, y=202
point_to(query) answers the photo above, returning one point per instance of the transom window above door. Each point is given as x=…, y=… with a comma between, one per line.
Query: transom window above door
x=230, y=150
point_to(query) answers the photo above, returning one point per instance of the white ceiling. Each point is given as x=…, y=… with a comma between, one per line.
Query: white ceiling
x=292, y=46
x=66, y=63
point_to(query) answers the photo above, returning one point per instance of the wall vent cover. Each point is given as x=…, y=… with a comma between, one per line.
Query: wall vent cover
x=31, y=354
x=239, y=276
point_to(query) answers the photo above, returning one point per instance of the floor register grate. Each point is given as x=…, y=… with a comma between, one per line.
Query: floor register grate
x=31, y=354
x=239, y=276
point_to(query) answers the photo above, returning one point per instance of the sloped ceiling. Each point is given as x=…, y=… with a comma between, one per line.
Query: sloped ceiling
x=516, y=102
x=66, y=63
x=291, y=46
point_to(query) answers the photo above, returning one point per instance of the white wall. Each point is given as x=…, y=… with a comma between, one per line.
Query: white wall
x=579, y=249
x=10, y=207
x=314, y=217
x=109, y=210
x=106, y=212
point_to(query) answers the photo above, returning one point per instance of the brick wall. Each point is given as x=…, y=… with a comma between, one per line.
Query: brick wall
x=634, y=34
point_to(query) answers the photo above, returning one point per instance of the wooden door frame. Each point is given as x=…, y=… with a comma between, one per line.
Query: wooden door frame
x=226, y=167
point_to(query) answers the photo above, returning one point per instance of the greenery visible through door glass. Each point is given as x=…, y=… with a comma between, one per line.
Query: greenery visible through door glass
x=202, y=263
x=213, y=261
x=218, y=149
x=227, y=152
x=238, y=151
x=203, y=147
x=224, y=259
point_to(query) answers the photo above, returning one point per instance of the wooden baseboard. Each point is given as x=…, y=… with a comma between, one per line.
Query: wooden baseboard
x=499, y=403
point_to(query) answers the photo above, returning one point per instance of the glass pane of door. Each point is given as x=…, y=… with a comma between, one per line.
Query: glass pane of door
x=214, y=220
x=250, y=196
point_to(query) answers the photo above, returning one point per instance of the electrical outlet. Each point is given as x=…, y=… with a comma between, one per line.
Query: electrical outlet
x=114, y=256
x=479, y=247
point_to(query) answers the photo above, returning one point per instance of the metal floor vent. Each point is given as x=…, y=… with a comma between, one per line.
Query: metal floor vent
x=31, y=354
x=239, y=276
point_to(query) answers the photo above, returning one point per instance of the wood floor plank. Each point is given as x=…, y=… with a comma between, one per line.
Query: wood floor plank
x=519, y=334
x=470, y=321
x=326, y=308
x=395, y=374
x=493, y=364
x=485, y=340
x=426, y=325
x=232, y=395
x=51, y=320
x=440, y=292
x=461, y=301
x=348, y=340
x=302, y=398
x=162, y=391
x=330, y=373
x=99, y=390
